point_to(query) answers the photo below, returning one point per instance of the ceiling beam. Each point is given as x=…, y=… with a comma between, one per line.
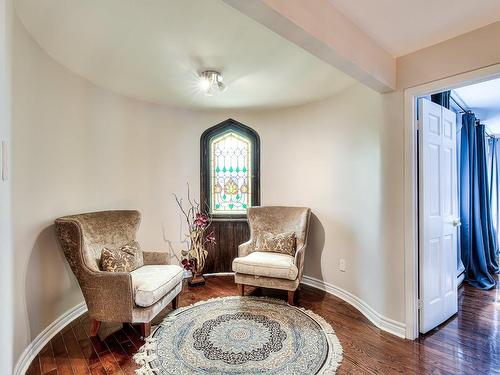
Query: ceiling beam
x=319, y=28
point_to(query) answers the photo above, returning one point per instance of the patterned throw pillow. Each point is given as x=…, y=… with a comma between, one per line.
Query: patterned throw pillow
x=125, y=259
x=284, y=243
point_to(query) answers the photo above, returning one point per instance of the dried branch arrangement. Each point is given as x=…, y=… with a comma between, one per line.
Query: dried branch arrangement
x=198, y=224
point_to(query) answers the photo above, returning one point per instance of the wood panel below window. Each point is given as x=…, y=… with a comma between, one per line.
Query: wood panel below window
x=228, y=235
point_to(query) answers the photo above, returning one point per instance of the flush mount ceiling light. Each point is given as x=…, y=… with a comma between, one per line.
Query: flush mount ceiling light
x=211, y=82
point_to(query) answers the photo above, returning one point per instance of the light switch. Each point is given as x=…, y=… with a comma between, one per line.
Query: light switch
x=5, y=162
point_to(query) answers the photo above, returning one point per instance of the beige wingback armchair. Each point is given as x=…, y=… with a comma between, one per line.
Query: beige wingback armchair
x=267, y=269
x=134, y=297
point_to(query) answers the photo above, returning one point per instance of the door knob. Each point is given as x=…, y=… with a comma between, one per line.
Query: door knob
x=456, y=222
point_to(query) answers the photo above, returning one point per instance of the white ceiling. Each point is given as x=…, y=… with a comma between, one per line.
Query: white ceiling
x=484, y=100
x=152, y=50
x=404, y=26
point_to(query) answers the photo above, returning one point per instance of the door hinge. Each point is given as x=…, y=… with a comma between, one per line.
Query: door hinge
x=420, y=304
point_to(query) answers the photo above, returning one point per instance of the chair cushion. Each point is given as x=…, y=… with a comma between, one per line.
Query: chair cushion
x=151, y=283
x=280, y=266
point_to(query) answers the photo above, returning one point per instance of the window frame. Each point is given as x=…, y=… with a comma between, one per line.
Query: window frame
x=205, y=165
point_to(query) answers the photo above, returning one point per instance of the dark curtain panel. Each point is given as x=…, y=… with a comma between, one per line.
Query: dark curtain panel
x=494, y=168
x=491, y=243
x=477, y=235
x=442, y=98
x=494, y=180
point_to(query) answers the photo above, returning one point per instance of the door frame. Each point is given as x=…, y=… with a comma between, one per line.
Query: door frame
x=410, y=215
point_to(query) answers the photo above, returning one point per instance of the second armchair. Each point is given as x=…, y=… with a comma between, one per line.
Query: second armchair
x=271, y=269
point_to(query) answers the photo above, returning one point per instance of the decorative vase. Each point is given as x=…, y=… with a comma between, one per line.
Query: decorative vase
x=199, y=254
x=197, y=279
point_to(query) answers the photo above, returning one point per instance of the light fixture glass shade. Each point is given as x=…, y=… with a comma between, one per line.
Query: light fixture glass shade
x=211, y=83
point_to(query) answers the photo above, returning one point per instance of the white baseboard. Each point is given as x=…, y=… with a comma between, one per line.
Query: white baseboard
x=382, y=322
x=32, y=350
x=219, y=274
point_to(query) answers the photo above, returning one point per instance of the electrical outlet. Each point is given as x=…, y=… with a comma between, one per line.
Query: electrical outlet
x=342, y=264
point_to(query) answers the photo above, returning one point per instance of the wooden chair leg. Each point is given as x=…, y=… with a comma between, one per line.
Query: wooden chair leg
x=241, y=289
x=175, y=302
x=94, y=327
x=145, y=329
x=291, y=294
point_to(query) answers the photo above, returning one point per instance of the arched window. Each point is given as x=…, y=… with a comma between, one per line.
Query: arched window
x=230, y=169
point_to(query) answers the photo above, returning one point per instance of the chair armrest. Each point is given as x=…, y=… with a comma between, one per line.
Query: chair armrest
x=109, y=296
x=299, y=253
x=155, y=257
x=244, y=248
x=299, y=260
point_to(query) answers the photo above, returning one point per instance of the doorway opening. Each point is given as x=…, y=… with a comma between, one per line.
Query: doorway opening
x=438, y=284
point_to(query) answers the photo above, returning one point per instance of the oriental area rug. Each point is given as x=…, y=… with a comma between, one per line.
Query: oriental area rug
x=241, y=335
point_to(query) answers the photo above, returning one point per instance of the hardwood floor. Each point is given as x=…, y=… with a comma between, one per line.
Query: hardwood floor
x=467, y=344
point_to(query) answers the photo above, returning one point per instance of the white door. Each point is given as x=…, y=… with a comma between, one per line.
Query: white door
x=439, y=217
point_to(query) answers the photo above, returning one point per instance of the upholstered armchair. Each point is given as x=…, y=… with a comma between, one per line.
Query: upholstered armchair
x=127, y=297
x=272, y=269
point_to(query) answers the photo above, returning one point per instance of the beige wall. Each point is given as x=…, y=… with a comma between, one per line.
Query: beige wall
x=342, y=158
x=6, y=313
x=477, y=49
x=81, y=148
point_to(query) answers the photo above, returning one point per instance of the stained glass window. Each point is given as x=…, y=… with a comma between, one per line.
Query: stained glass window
x=230, y=173
x=229, y=170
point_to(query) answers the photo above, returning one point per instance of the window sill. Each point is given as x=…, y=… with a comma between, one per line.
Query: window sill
x=229, y=218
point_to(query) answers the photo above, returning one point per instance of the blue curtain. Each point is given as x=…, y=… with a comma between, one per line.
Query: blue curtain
x=477, y=235
x=494, y=180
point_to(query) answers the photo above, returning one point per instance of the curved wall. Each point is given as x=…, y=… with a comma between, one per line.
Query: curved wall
x=6, y=272
x=79, y=148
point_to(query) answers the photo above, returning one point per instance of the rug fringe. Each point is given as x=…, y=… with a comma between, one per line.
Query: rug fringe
x=144, y=358
x=337, y=351
x=146, y=354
